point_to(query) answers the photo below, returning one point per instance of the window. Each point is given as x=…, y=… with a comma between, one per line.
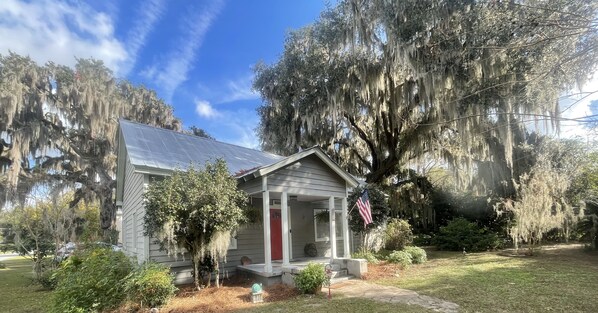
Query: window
x=233, y=241
x=322, y=226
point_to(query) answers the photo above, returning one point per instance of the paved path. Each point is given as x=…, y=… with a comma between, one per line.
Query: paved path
x=362, y=289
x=8, y=256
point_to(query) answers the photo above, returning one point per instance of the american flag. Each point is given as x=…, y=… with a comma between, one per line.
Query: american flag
x=363, y=203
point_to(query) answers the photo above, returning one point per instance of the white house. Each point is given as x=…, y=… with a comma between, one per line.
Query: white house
x=288, y=190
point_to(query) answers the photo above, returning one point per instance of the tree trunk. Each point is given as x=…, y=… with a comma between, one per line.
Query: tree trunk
x=217, y=269
x=196, y=272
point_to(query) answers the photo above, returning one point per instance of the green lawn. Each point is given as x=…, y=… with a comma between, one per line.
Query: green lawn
x=337, y=304
x=562, y=280
x=18, y=294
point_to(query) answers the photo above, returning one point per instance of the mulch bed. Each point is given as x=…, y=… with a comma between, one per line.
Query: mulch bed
x=233, y=296
x=382, y=270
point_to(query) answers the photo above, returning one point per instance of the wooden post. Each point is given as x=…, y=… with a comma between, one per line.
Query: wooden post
x=332, y=229
x=285, y=228
x=266, y=222
x=346, y=249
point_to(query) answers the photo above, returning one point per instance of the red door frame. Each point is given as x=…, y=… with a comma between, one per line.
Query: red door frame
x=276, y=233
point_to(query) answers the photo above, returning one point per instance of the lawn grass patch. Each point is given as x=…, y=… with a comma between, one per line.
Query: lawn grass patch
x=18, y=292
x=559, y=280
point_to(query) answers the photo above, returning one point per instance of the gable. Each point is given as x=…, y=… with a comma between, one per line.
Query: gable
x=308, y=176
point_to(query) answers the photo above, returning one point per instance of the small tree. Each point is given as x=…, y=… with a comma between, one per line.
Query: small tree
x=541, y=205
x=195, y=211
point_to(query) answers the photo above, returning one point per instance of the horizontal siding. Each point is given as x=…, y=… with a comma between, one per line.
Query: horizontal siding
x=133, y=211
x=308, y=176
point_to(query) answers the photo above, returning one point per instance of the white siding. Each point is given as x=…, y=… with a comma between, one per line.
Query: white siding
x=134, y=242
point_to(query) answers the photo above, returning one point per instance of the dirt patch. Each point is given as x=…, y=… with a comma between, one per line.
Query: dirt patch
x=232, y=296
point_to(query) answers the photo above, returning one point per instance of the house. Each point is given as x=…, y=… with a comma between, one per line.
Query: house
x=289, y=191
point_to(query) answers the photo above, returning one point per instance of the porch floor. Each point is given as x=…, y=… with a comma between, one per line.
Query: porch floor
x=258, y=268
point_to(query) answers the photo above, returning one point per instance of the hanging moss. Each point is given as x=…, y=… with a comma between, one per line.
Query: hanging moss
x=60, y=124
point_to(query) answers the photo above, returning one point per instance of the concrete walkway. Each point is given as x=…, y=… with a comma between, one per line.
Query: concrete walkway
x=362, y=289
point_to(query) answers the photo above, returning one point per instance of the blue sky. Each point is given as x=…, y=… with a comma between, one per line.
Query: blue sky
x=198, y=55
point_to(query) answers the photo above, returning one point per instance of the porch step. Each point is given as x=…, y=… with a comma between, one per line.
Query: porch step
x=335, y=267
x=339, y=279
x=339, y=273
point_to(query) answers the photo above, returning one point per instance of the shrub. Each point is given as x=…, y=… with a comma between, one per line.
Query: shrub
x=7, y=247
x=423, y=239
x=418, y=255
x=150, y=285
x=47, y=279
x=461, y=234
x=311, y=278
x=397, y=234
x=400, y=257
x=2, y=265
x=91, y=280
x=368, y=256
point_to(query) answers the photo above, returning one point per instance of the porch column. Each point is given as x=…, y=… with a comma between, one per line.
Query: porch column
x=285, y=228
x=266, y=222
x=346, y=251
x=332, y=229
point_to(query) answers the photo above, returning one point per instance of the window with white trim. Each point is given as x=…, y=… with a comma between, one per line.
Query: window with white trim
x=232, y=245
x=322, y=226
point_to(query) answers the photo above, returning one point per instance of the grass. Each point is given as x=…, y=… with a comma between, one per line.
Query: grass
x=558, y=280
x=337, y=304
x=18, y=294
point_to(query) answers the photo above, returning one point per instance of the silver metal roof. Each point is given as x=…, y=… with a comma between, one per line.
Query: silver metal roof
x=156, y=148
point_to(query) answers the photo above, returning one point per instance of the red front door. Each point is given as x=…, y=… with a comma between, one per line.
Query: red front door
x=276, y=234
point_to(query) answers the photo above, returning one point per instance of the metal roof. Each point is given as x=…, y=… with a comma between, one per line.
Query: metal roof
x=151, y=148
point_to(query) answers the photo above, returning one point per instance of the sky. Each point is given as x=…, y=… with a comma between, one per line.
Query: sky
x=198, y=55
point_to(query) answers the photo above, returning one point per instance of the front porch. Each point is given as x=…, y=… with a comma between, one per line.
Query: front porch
x=304, y=214
x=342, y=269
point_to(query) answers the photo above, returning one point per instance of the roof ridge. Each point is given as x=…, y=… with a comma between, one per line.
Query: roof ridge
x=194, y=136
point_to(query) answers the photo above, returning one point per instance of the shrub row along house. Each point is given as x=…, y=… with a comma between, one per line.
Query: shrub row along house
x=289, y=192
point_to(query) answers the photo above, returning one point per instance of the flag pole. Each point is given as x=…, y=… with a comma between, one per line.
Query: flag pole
x=349, y=213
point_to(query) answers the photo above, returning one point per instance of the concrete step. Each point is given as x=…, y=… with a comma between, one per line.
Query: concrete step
x=339, y=273
x=340, y=279
x=335, y=267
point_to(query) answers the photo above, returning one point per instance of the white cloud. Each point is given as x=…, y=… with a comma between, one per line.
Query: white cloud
x=204, y=109
x=59, y=31
x=177, y=64
x=149, y=14
x=240, y=89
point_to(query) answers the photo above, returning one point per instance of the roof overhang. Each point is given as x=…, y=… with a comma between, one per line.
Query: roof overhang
x=265, y=170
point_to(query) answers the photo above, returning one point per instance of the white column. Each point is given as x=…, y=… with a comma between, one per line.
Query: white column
x=346, y=250
x=332, y=229
x=285, y=228
x=266, y=222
